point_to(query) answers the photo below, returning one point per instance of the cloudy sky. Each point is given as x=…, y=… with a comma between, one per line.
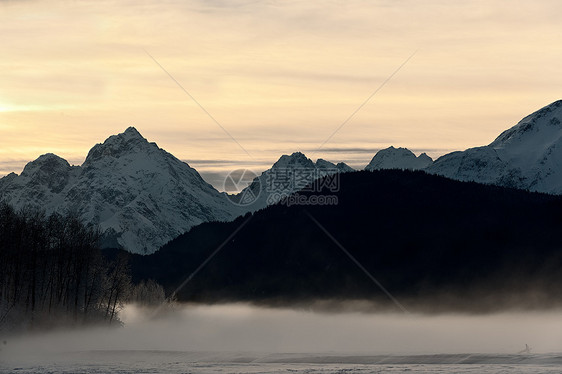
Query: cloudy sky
x=279, y=76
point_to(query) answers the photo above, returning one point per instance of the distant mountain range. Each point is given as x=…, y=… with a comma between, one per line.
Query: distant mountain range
x=527, y=156
x=142, y=197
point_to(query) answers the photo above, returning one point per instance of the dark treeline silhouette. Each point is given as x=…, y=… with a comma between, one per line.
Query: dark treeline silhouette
x=53, y=273
x=434, y=243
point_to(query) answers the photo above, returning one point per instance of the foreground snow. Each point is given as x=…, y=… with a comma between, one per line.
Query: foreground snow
x=196, y=362
x=244, y=339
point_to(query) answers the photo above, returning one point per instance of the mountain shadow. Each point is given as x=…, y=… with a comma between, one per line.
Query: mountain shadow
x=433, y=243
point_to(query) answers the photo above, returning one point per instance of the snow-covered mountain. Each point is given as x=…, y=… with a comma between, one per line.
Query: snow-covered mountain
x=527, y=156
x=289, y=174
x=398, y=158
x=140, y=195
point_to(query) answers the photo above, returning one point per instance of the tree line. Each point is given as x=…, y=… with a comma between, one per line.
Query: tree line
x=53, y=273
x=434, y=243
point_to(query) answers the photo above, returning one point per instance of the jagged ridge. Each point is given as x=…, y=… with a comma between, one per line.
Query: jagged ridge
x=140, y=195
x=526, y=156
x=289, y=174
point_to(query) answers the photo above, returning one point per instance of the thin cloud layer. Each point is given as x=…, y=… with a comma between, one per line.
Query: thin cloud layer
x=278, y=75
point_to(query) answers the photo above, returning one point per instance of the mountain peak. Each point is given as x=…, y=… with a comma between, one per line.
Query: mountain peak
x=330, y=166
x=48, y=170
x=139, y=195
x=131, y=132
x=49, y=157
x=527, y=155
x=398, y=158
x=48, y=163
x=297, y=156
x=129, y=141
x=539, y=129
x=323, y=164
x=343, y=167
x=295, y=160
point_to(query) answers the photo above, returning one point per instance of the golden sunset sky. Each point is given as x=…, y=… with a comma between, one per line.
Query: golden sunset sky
x=280, y=76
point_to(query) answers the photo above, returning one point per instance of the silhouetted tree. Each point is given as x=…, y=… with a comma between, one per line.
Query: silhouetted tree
x=52, y=270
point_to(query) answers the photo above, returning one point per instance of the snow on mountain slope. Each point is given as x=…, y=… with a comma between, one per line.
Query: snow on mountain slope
x=527, y=156
x=289, y=174
x=140, y=196
x=341, y=167
x=398, y=158
x=41, y=183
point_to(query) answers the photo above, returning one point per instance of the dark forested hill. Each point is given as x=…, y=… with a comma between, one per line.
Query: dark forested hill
x=432, y=242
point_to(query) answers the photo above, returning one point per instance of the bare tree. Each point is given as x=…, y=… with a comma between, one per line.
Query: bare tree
x=52, y=270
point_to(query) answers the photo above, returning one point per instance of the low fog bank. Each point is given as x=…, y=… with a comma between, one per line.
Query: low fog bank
x=245, y=328
x=480, y=299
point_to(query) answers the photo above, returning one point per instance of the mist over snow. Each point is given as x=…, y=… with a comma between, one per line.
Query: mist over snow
x=243, y=328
